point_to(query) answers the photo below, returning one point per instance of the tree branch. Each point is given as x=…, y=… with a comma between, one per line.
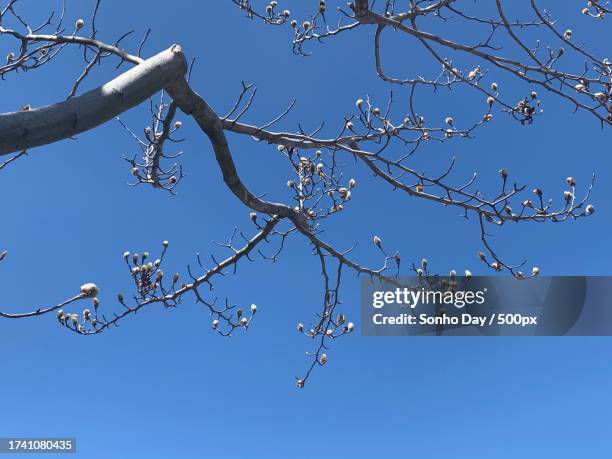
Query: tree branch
x=26, y=129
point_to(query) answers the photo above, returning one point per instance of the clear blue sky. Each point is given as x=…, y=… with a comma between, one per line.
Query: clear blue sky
x=164, y=385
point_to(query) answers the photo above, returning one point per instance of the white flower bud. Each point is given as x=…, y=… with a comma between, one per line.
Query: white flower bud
x=600, y=96
x=215, y=324
x=300, y=383
x=178, y=125
x=468, y=274
x=359, y=103
x=323, y=359
x=89, y=290
x=535, y=271
x=590, y=209
x=494, y=86
x=377, y=241
x=79, y=24
x=244, y=321
x=253, y=309
x=352, y=182
x=490, y=101
x=350, y=327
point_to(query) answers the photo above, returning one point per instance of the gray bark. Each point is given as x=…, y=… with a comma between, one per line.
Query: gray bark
x=40, y=126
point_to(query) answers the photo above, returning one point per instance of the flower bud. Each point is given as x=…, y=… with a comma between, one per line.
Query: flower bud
x=601, y=97
x=359, y=103
x=377, y=241
x=215, y=324
x=178, y=125
x=253, y=309
x=590, y=209
x=300, y=327
x=323, y=359
x=350, y=327
x=80, y=23
x=352, y=182
x=490, y=101
x=89, y=290
x=300, y=383
x=244, y=321
x=535, y=271
x=494, y=86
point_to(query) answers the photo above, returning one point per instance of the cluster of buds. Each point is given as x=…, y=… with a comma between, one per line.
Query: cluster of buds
x=72, y=320
x=232, y=321
x=526, y=108
x=595, y=10
x=315, y=180
x=272, y=14
x=334, y=329
x=147, y=275
x=328, y=327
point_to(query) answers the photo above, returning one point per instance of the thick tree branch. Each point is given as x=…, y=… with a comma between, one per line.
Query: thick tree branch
x=26, y=129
